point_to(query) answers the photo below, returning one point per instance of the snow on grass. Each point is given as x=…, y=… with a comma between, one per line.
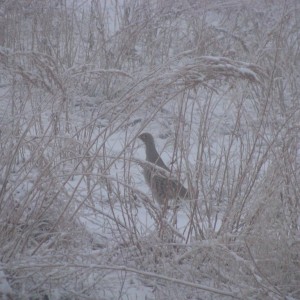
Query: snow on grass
x=77, y=219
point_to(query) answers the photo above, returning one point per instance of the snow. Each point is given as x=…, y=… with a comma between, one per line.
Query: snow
x=216, y=87
x=5, y=290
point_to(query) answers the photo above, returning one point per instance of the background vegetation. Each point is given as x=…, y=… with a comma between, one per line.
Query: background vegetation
x=216, y=82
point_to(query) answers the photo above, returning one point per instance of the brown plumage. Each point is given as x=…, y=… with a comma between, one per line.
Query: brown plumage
x=162, y=185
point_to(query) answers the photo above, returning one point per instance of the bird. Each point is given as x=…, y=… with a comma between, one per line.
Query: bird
x=158, y=175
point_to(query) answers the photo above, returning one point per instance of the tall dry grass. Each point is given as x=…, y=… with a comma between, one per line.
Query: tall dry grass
x=80, y=82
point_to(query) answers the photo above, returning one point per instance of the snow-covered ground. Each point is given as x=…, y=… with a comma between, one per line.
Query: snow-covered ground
x=217, y=86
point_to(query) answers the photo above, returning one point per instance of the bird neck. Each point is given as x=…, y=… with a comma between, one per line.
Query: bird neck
x=153, y=157
x=152, y=154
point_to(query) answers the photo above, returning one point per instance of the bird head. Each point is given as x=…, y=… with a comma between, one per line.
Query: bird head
x=147, y=138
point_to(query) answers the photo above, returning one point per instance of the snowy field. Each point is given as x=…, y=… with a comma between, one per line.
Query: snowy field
x=217, y=85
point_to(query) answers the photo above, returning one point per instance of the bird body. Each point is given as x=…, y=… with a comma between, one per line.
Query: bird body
x=162, y=185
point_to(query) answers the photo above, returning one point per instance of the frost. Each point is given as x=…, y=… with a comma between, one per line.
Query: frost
x=217, y=84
